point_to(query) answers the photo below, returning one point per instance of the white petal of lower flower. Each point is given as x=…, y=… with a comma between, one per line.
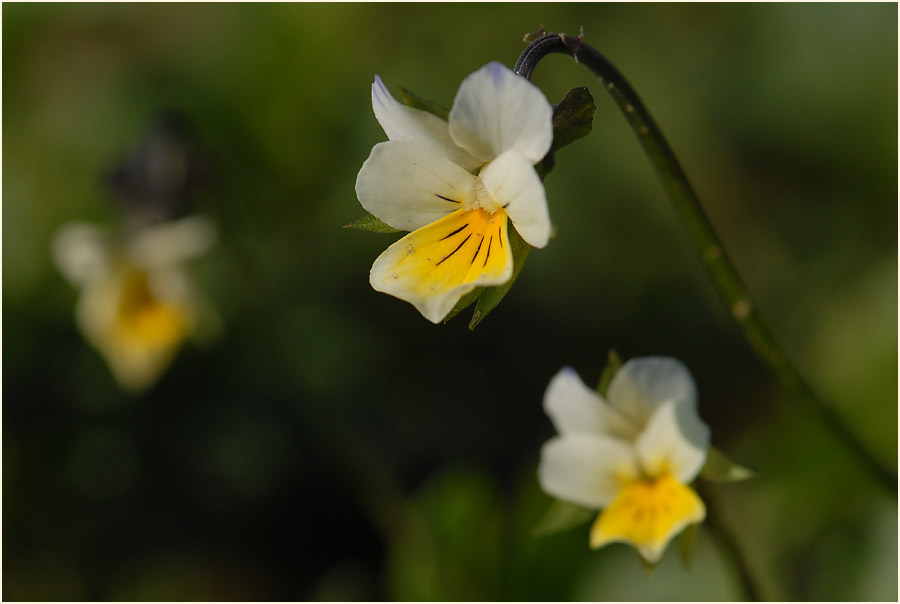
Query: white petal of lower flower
x=674, y=442
x=577, y=409
x=644, y=383
x=495, y=111
x=403, y=123
x=81, y=252
x=515, y=186
x=436, y=265
x=585, y=470
x=408, y=185
x=170, y=242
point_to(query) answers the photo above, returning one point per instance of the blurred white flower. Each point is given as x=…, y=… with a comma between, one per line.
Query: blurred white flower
x=454, y=184
x=631, y=454
x=137, y=304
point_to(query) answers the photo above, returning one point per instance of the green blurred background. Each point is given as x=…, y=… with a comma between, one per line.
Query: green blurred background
x=333, y=444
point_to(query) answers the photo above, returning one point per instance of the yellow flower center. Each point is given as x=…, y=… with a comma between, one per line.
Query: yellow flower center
x=647, y=513
x=143, y=319
x=482, y=198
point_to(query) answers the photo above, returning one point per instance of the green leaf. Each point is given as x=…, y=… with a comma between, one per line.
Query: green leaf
x=573, y=118
x=719, y=468
x=372, y=224
x=561, y=516
x=464, y=303
x=411, y=99
x=491, y=296
x=687, y=540
x=613, y=364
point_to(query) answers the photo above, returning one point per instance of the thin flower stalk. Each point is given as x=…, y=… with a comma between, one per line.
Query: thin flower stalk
x=721, y=271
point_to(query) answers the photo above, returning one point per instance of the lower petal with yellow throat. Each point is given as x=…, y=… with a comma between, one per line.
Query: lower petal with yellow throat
x=434, y=266
x=137, y=332
x=647, y=513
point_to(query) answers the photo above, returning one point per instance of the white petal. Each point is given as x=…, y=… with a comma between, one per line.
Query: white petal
x=495, y=111
x=576, y=409
x=643, y=384
x=586, y=470
x=170, y=242
x=515, y=186
x=675, y=441
x=408, y=185
x=81, y=252
x=403, y=123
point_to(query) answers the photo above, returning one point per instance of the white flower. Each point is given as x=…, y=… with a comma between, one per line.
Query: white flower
x=137, y=304
x=632, y=454
x=454, y=184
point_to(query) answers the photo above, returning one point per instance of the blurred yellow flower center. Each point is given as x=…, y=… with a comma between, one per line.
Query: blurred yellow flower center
x=144, y=319
x=647, y=513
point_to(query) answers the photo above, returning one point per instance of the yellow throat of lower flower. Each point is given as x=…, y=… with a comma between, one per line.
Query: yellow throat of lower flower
x=647, y=513
x=143, y=320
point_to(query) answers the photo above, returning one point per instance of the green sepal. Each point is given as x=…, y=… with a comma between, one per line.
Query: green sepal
x=687, y=541
x=491, y=296
x=371, y=224
x=613, y=364
x=718, y=468
x=464, y=302
x=561, y=516
x=573, y=118
x=649, y=567
x=411, y=99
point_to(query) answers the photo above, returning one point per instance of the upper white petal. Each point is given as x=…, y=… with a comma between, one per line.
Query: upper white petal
x=495, y=111
x=675, y=440
x=403, y=182
x=515, y=186
x=644, y=383
x=170, y=242
x=576, y=409
x=586, y=470
x=403, y=123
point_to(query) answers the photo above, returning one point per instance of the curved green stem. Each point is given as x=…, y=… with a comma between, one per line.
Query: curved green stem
x=729, y=543
x=721, y=271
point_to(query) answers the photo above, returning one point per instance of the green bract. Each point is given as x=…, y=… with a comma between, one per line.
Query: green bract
x=719, y=468
x=370, y=223
x=613, y=364
x=561, y=516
